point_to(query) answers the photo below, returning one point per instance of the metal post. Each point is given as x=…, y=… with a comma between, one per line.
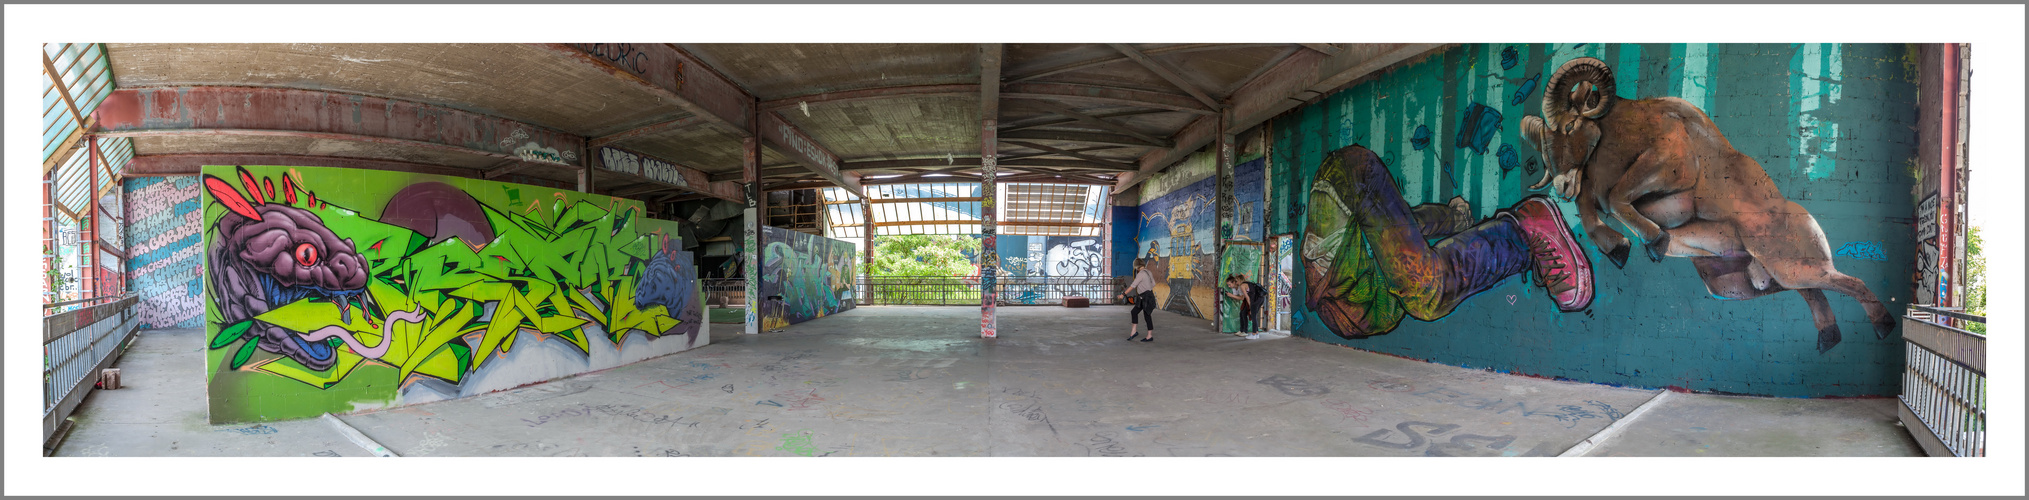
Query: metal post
x=49, y=237
x=1947, y=167
x=989, y=256
x=867, y=244
x=88, y=242
x=751, y=252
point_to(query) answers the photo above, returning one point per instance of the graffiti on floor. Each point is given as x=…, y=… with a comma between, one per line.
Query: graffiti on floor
x=1104, y=444
x=1412, y=435
x=801, y=442
x=430, y=284
x=249, y=431
x=1294, y=386
x=1347, y=411
x=1569, y=414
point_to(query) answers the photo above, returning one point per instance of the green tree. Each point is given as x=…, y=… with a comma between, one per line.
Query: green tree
x=1976, y=280
x=924, y=269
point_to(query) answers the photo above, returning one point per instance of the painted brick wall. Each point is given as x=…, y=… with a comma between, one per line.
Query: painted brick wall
x=166, y=260
x=1831, y=124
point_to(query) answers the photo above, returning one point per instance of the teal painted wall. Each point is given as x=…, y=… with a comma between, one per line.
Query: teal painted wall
x=1833, y=125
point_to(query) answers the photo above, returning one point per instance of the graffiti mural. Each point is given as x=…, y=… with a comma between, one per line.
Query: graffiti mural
x=164, y=256
x=1670, y=147
x=1177, y=229
x=1073, y=256
x=804, y=277
x=1699, y=198
x=1249, y=200
x=333, y=290
x=1244, y=259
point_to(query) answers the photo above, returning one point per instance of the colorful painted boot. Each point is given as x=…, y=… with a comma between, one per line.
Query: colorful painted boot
x=1561, y=266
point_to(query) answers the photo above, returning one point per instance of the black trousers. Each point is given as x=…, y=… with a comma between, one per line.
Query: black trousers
x=1250, y=314
x=1144, y=305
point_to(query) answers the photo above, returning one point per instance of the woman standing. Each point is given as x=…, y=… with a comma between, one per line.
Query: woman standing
x=1142, y=292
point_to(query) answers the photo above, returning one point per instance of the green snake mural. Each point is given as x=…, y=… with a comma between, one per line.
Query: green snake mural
x=320, y=301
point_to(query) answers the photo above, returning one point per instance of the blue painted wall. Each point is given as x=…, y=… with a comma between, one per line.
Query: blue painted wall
x=1832, y=125
x=1180, y=223
x=1126, y=226
x=1249, y=200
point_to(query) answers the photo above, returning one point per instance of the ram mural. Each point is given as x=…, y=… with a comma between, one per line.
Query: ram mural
x=335, y=290
x=804, y=277
x=1494, y=193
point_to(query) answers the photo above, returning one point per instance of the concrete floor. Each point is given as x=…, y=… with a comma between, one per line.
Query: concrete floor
x=916, y=381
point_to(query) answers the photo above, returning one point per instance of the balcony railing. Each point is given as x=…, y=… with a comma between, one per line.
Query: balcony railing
x=964, y=290
x=76, y=344
x=1944, y=383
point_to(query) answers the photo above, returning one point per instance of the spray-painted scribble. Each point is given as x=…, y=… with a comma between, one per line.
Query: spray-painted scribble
x=1863, y=250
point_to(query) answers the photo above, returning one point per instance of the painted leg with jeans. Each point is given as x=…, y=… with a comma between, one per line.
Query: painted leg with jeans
x=1369, y=262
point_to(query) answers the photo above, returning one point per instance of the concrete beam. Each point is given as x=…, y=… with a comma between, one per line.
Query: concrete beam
x=669, y=72
x=1297, y=80
x=659, y=128
x=175, y=111
x=1167, y=74
x=1106, y=96
x=843, y=96
x=639, y=167
x=665, y=71
x=792, y=142
x=1080, y=137
x=1064, y=110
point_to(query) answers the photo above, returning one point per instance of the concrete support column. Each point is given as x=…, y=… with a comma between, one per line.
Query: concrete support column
x=49, y=237
x=88, y=229
x=989, y=256
x=1223, y=199
x=750, y=250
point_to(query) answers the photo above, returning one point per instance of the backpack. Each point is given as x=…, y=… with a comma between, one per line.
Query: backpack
x=1254, y=292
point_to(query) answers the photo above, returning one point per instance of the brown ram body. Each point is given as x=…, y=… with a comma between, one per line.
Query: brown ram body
x=1664, y=170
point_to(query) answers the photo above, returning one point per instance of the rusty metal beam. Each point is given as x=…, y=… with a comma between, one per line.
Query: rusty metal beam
x=659, y=128
x=1299, y=79
x=276, y=112
x=1324, y=48
x=1081, y=137
x=1189, y=47
x=844, y=96
x=1073, y=154
x=192, y=164
x=1101, y=95
x=1064, y=110
x=1170, y=75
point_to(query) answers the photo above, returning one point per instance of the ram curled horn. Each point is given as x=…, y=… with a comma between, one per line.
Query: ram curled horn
x=1564, y=105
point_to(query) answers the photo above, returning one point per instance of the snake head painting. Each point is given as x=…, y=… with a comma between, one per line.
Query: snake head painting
x=269, y=254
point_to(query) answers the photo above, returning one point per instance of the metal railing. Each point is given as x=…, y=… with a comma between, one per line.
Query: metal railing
x=964, y=290
x=77, y=344
x=725, y=292
x=1944, y=382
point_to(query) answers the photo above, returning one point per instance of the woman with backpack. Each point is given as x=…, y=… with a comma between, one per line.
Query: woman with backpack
x=1141, y=291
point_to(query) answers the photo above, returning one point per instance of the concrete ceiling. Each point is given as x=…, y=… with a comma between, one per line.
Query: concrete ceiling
x=1087, y=112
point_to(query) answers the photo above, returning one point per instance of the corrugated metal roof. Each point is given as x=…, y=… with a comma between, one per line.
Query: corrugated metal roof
x=83, y=71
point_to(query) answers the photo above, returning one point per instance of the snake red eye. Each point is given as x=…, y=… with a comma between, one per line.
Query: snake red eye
x=306, y=254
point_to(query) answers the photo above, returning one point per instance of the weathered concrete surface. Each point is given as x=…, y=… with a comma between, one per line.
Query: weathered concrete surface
x=915, y=381
x=1733, y=426
x=159, y=411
